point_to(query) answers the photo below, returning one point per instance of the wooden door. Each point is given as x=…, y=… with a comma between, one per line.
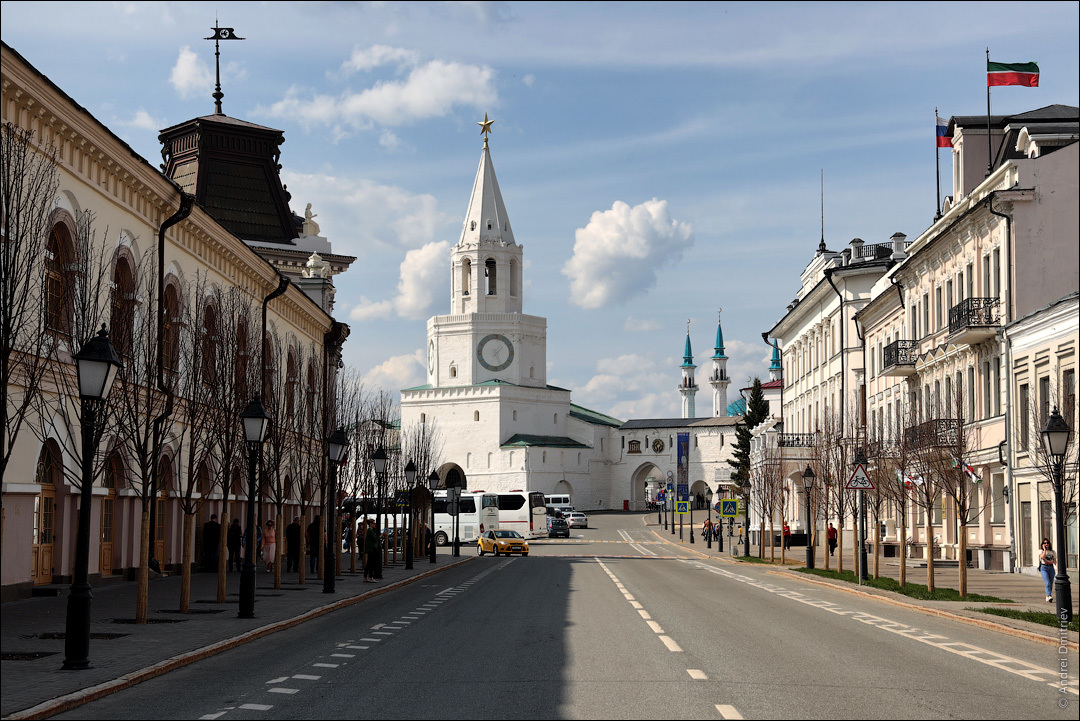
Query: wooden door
x=159, y=530
x=108, y=507
x=44, y=536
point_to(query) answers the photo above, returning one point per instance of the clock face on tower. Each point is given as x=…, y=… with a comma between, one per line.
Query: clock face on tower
x=495, y=352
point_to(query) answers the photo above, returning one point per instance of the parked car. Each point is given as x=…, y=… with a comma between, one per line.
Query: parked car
x=502, y=541
x=558, y=527
x=577, y=519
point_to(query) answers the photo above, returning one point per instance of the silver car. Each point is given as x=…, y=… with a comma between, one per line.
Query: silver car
x=576, y=519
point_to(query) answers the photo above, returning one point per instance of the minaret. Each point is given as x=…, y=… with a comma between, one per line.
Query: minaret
x=719, y=380
x=688, y=388
x=776, y=370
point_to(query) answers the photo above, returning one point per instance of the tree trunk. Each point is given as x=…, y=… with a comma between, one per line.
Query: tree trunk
x=929, y=553
x=761, y=538
x=276, y=560
x=962, y=560
x=185, y=562
x=222, y=553
x=302, y=579
x=142, y=593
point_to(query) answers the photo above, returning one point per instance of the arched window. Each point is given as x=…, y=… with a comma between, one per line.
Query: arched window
x=476, y=415
x=466, y=276
x=171, y=331
x=515, y=277
x=122, y=306
x=453, y=371
x=58, y=279
x=243, y=357
x=268, y=370
x=211, y=340
x=309, y=394
x=291, y=384
x=489, y=274
x=423, y=417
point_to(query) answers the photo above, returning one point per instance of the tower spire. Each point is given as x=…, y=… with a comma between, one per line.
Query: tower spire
x=220, y=34
x=688, y=387
x=821, y=246
x=719, y=379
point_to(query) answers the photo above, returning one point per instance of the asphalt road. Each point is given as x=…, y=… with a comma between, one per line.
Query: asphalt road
x=612, y=623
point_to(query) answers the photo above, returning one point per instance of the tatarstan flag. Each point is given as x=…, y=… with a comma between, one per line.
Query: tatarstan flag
x=1026, y=74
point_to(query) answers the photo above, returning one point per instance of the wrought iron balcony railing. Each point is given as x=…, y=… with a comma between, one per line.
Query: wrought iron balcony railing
x=972, y=313
x=798, y=440
x=901, y=352
x=938, y=433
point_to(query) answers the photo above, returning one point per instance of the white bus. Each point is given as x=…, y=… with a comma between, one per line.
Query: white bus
x=559, y=501
x=477, y=512
x=524, y=512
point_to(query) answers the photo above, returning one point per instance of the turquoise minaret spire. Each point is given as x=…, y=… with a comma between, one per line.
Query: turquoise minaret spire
x=719, y=379
x=688, y=388
x=776, y=371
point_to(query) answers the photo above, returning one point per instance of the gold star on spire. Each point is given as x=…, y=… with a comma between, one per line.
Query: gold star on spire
x=485, y=128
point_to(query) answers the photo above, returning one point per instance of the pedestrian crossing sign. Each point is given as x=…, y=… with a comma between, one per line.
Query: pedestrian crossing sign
x=729, y=508
x=682, y=507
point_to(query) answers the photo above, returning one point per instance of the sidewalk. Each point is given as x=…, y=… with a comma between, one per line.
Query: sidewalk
x=31, y=630
x=1024, y=590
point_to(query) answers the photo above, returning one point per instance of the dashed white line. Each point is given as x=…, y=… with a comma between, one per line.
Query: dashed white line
x=371, y=640
x=644, y=614
x=727, y=711
x=212, y=716
x=306, y=677
x=289, y=691
x=256, y=706
x=697, y=674
x=278, y=680
x=343, y=655
x=655, y=626
x=326, y=665
x=359, y=648
x=671, y=645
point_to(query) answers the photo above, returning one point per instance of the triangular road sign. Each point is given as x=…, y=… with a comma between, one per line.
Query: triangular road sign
x=859, y=480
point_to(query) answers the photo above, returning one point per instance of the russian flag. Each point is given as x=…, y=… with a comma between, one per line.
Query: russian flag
x=943, y=140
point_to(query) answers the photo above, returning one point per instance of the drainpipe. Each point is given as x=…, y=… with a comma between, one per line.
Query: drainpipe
x=187, y=203
x=283, y=284
x=1006, y=344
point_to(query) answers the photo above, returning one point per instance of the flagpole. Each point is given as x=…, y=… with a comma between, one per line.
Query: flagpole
x=989, y=151
x=937, y=168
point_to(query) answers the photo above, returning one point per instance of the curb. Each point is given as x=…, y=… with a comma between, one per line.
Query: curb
x=75, y=699
x=984, y=624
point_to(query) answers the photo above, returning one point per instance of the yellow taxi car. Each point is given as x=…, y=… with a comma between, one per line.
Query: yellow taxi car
x=502, y=541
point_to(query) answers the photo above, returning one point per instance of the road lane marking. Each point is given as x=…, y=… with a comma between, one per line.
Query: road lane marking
x=306, y=677
x=255, y=706
x=728, y=712
x=288, y=691
x=655, y=626
x=369, y=640
x=644, y=614
x=383, y=633
x=359, y=648
x=636, y=605
x=278, y=680
x=212, y=716
x=326, y=665
x=697, y=674
x=343, y=655
x=996, y=660
x=671, y=645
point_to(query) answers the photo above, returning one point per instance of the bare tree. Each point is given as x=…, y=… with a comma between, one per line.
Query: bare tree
x=421, y=443
x=30, y=180
x=280, y=390
x=312, y=424
x=827, y=456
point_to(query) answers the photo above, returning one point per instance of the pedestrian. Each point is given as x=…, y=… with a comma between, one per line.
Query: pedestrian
x=313, y=543
x=1047, y=559
x=706, y=530
x=269, y=545
x=787, y=536
x=211, y=543
x=292, y=545
x=831, y=535
x=371, y=552
x=234, y=541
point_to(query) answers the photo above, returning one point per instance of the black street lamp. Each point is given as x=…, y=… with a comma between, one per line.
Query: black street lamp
x=808, y=485
x=410, y=483
x=433, y=484
x=860, y=460
x=1056, y=434
x=97, y=365
x=255, y=423
x=378, y=459
x=336, y=445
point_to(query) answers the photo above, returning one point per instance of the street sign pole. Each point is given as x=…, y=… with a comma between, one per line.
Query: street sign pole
x=862, y=536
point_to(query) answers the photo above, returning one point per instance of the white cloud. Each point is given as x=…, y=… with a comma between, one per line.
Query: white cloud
x=388, y=140
x=143, y=121
x=423, y=274
x=639, y=325
x=617, y=255
x=368, y=309
x=397, y=372
x=190, y=75
x=358, y=213
x=363, y=59
x=529, y=80
x=430, y=90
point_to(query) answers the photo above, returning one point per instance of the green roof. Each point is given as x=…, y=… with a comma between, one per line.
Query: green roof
x=594, y=417
x=528, y=439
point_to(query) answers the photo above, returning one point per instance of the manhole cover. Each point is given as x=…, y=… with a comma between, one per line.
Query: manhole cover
x=27, y=656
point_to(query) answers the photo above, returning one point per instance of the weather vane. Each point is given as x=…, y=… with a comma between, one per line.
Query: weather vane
x=219, y=35
x=485, y=128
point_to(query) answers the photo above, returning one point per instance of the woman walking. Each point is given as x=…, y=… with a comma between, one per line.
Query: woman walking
x=269, y=545
x=1047, y=559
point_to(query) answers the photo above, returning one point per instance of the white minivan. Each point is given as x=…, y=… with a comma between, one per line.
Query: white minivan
x=559, y=502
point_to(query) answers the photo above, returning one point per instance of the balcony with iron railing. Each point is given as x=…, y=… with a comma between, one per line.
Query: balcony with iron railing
x=899, y=358
x=974, y=320
x=798, y=440
x=937, y=433
x=882, y=449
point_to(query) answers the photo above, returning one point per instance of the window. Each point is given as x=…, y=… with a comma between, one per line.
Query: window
x=171, y=331
x=986, y=389
x=423, y=417
x=1044, y=400
x=1068, y=396
x=292, y=383
x=243, y=353
x=938, y=315
x=515, y=415
x=515, y=278
x=466, y=276
x=210, y=345
x=453, y=371
x=122, y=302
x=635, y=447
x=476, y=415
x=995, y=386
x=997, y=502
x=1025, y=416
x=971, y=394
x=997, y=273
x=58, y=257
x=489, y=275
x=926, y=314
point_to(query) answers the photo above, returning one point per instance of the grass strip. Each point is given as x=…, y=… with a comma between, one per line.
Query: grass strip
x=766, y=561
x=1045, y=618
x=912, y=590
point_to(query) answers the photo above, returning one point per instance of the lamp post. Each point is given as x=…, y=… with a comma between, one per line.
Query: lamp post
x=746, y=518
x=336, y=446
x=378, y=459
x=433, y=484
x=410, y=482
x=97, y=365
x=1056, y=435
x=808, y=485
x=255, y=423
x=860, y=460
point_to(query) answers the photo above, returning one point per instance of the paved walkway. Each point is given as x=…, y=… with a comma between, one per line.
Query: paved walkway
x=35, y=626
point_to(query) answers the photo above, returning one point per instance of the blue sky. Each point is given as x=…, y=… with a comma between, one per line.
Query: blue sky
x=658, y=161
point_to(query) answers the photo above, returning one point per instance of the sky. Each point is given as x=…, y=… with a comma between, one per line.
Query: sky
x=658, y=161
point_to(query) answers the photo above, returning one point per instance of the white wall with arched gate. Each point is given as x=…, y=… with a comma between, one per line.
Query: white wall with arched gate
x=644, y=483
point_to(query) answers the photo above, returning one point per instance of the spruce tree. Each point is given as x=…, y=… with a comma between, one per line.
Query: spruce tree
x=757, y=410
